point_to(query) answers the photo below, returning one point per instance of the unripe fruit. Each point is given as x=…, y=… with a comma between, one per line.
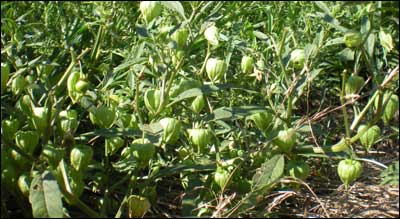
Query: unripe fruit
x=247, y=64
x=172, y=129
x=138, y=206
x=370, y=136
x=391, y=107
x=18, y=85
x=262, y=120
x=353, y=84
x=215, y=69
x=150, y=10
x=299, y=169
x=297, y=57
x=286, y=139
x=10, y=127
x=113, y=144
x=152, y=100
x=221, y=177
x=40, y=119
x=53, y=155
x=80, y=157
x=349, y=170
x=198, y=104
x=143, y=152
x=102, y=116
x=27, y=140
x=353, y=39
x=81, y=86
x=5, y=74
x=25, y=105
x=24, y=183
x=180, y=37
x=212, y=35
x=200, y=137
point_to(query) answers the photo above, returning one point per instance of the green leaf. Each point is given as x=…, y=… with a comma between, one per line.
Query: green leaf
x=232, y=113
x=175, y=6
x=45, y=197
x=268, y=173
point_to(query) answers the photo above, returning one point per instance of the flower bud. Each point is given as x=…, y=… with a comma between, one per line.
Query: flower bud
x=212, y=35
x=297, y=57
x=286, y=139
x=150, y=10
x=172, y=130
x=215, y=69
x=352, y=39
x=247, y=64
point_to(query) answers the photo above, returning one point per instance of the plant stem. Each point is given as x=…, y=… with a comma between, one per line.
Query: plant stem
x=342, y=101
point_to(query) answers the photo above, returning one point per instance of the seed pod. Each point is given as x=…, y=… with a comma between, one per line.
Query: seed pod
x=80, y=157
x=67, y=121
x=81, y=86
x=24, y=183
x=215, y=69
x=102, y=116
x=150, y=10
x=297, y=57
x=180, y=36
x=286, y=139
x=172, y=130
x=369, y=137
x=143, y=152
x=53, y=154
x=212, y=35
x=353, y=39
x=386, y=40
x=152, y=100
x=391, y=107
x=221, y=177
x=262, y=120
x=113, y=144
x=138, y=206
x=10, y=127
x=27, y=140
x=299, y=169
x=198, y=104
x=25, y=105
x=247, y=64
x=200, y=137
x=18, y=85
x=5, y=74
x=349, y=170
x=353, y=84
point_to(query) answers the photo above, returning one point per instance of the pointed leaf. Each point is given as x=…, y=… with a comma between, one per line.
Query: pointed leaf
x=268, y=173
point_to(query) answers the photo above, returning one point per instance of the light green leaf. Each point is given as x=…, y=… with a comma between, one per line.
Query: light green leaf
x=175, y=6
x=268, y=173
x=45, y=197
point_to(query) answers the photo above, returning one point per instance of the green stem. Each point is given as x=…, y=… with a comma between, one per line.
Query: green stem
x=344, y=108
x=137, y=97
